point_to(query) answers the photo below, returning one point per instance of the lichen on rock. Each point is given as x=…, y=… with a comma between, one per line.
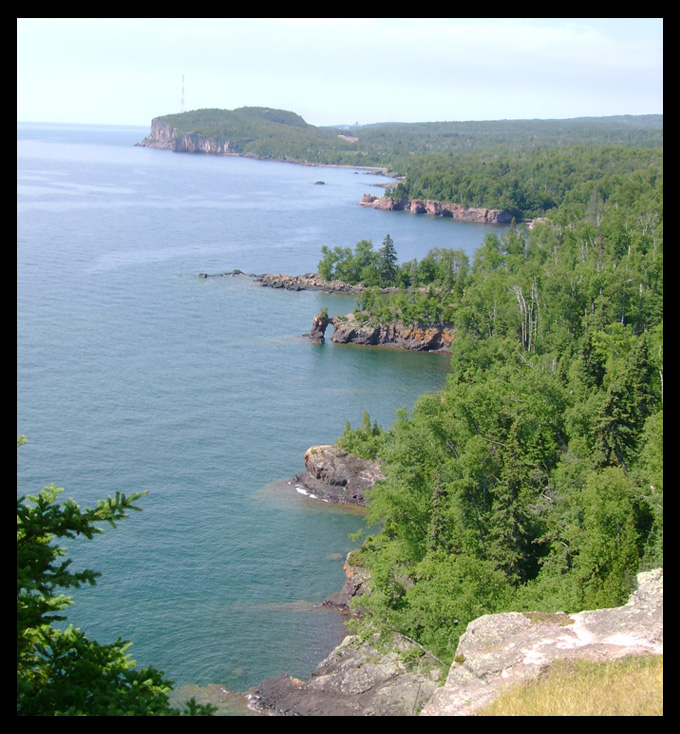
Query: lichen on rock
x=502, y=650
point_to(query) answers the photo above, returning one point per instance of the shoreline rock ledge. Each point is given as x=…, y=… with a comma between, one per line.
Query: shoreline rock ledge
x=502, y=650
x=496, y=651
x=352, y=329
x=334, y=475
x=438, y=209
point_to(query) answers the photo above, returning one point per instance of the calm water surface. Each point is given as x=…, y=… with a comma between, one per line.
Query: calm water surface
x=135, y=374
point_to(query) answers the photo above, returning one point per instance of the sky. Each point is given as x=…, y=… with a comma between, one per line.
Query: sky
x=126, y=71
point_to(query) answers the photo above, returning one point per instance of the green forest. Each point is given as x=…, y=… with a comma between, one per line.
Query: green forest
x=534, y=480
x=523, y=166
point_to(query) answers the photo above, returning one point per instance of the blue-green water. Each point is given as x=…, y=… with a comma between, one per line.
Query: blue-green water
x=135, y=374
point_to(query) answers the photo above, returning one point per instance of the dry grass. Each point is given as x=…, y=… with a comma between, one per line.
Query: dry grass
x=630, y=686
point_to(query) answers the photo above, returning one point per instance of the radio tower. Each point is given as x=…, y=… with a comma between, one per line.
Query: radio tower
x=181, y=109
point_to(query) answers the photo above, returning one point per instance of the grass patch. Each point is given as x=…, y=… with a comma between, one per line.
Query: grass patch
x=630, y=686
x=559, y=619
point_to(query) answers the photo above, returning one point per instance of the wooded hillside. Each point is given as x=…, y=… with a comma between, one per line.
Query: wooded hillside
x=534, y=480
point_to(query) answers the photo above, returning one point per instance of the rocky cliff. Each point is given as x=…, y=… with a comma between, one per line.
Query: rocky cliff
x=334, y=475
x=502, y=650
x=356, y=679
x=166, y=137
x=353, y=329
x=438, y=209
x=495, y=652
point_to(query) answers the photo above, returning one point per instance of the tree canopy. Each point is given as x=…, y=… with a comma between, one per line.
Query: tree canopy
x=533, y=480
x=524, y=166
x=60, y=672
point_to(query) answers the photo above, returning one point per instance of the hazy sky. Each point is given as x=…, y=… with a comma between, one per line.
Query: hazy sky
x=125, y=71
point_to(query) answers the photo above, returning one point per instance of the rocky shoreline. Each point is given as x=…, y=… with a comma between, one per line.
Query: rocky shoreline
x=438, y=209
x=358, y=678
x=334, y=475
x=397, y=677
x=353, y=329
x=496, y=652
x=307, y=282
x=370, y=678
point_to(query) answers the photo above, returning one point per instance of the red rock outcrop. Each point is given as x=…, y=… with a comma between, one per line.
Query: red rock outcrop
x=351, y=329
x=334, y=475
x=438, y=209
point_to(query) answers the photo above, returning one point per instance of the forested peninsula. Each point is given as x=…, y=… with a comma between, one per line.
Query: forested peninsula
x=520, y=167
x=534, y=480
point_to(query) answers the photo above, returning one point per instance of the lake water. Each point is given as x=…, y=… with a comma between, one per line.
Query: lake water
x=135, y=374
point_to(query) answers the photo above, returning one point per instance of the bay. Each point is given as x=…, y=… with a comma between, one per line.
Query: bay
x=135, y=374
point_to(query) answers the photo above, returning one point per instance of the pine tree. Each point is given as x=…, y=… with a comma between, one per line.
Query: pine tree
x=387, y=262
x=60, y=672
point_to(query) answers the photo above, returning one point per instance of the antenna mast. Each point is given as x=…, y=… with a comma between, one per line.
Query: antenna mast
x=182, y=103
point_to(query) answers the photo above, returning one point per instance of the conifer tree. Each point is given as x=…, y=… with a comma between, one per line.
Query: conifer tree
x=387, y=262
x=60, y=672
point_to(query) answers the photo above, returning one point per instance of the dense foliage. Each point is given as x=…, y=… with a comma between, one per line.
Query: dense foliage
x=60, y=672
x=363, y=265
x=263, y=132
x=534, y=480
x=523, y=166
x=525, y=183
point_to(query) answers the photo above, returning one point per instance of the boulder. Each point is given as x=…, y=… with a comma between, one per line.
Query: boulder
x=334, y=475
x=501, y=650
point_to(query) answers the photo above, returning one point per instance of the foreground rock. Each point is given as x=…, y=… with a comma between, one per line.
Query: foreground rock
x=495, y=652
x=438, y=209
x=502, y=650
x=334, y=475
x=356, y=679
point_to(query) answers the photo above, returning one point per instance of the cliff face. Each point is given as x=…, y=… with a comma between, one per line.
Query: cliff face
x=438, y=209
x=351, y=330
x=495, y=652
x=334, y=475
x=165, y=137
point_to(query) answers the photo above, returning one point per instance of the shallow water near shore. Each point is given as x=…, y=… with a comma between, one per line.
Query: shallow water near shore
x=134, y=374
